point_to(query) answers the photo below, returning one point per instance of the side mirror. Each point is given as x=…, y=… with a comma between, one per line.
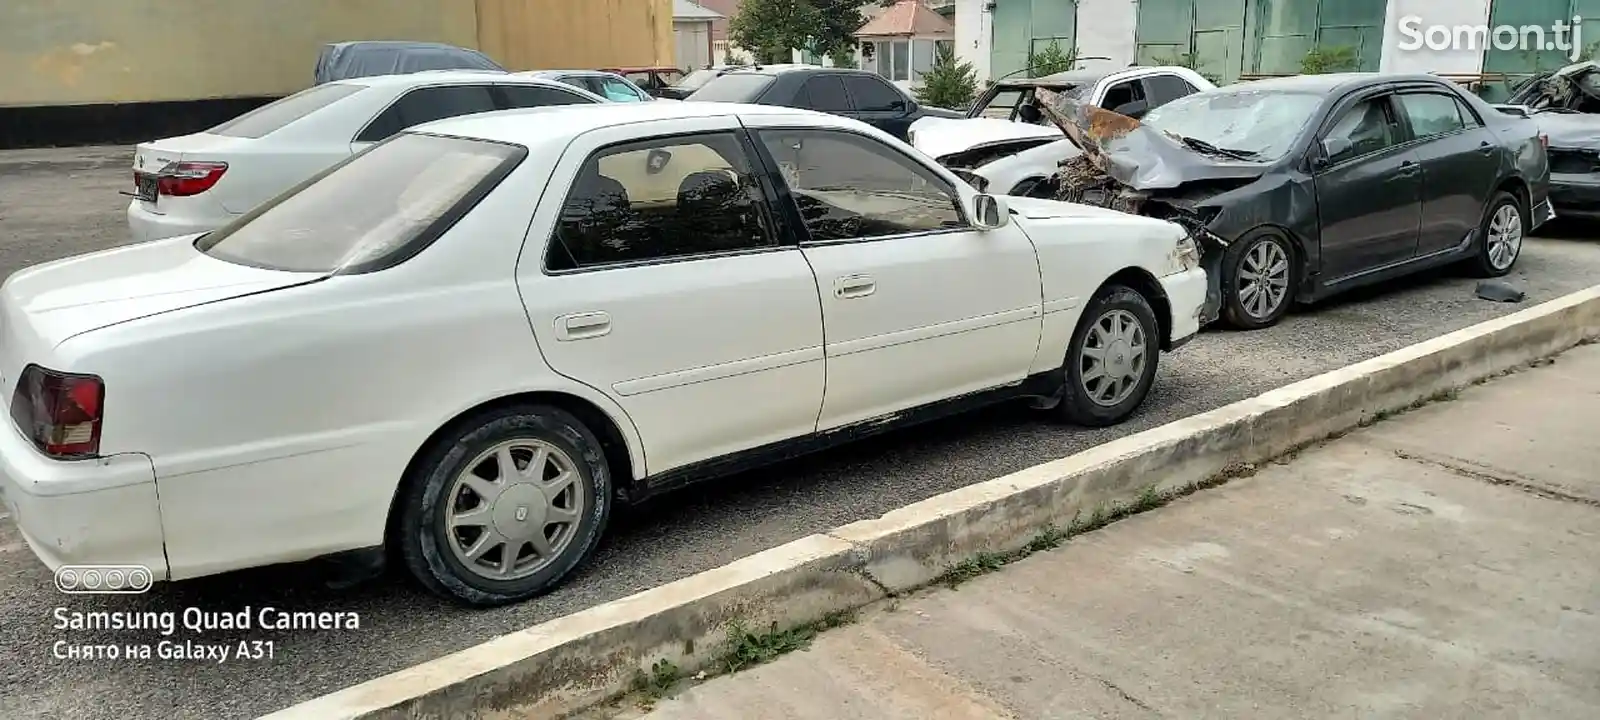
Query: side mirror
x=989, y=212
x=899, y=105
x=1334, y=147
x=1135, y=109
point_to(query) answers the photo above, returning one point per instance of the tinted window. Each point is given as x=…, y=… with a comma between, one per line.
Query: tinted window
x=274, y=115
x=871, y=94
x=1122, y=94
x=528, y=96
x=426, y=105
x=1366, y=127
x=697, y=79
x=1162, y=89
x=734, y=87
x=850, y=186
x=663, y=198
x=1001, y=105
x=644, y=80
x=367, y=211
x=826, y=93
x=1431, y=114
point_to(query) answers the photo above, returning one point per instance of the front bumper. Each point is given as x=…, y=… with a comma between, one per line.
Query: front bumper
x=1186, y=295
x=83, y=512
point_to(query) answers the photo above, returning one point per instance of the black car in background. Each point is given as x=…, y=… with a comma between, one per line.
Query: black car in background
x=1303, y=187
x=856, y=94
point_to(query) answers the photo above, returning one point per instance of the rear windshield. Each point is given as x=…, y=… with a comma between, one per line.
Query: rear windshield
x=274, y=115
x=369, y=212
x=734, y=87
x=695, y=79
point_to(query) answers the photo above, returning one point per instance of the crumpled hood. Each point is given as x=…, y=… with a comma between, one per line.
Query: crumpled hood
x=938, y=137
x=1138, y=155
x=1570, y=130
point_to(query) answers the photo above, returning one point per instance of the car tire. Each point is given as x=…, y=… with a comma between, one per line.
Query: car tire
x=573, y=483
x=1260, y=272
x=1116, y=313
x=1500, y=237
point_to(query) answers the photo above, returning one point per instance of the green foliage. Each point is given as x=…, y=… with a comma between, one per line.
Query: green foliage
x=844, y=57
x=1191, y=61
x=1051, y=60
x=772, y=28
x=949, y=83
x=1333, y=59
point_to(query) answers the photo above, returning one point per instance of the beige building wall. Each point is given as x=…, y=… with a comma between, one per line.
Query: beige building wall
x=56, y=52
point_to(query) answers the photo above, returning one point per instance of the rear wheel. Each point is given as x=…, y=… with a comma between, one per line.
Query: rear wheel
x=1258, y=280
x=504, y=508
x=1111, y=363
x=1500, y=237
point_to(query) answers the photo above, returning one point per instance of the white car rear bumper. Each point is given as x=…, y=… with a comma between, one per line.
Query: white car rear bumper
x=83, y=512
x=1186, y=293
x=145, y=225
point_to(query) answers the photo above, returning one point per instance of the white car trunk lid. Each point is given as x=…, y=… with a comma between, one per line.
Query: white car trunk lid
x=46, y=304
x=150, y=157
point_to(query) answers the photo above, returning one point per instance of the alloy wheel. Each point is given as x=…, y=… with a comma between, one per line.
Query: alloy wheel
x=1505, y=236
x=1264, y=279
x=514, y=509
x=1113, y=358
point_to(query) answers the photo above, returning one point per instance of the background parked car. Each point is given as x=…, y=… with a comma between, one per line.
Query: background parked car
x=199, y=182
x=855, y=94
x=1308, y=186
x=1566, y=106
x=366, y=58
x=648, y=324
x=653, y=80
x=608, y=85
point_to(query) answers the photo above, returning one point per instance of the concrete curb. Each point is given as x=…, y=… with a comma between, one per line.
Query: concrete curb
x=582, y=659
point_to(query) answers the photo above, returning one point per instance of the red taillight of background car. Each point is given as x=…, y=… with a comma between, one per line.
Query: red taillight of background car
x=60, y=412
x=1544, y=140
x=183, y=179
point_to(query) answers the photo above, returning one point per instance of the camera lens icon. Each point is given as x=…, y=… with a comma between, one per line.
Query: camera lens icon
x=103, y=579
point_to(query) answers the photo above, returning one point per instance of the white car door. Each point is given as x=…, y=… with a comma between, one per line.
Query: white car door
x=654, y=273
x=917, y=305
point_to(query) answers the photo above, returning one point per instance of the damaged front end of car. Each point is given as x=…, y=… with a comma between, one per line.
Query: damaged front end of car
x=1131, y=167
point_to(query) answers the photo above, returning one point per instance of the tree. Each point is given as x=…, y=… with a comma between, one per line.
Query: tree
x=949, y=83
x=1320, y=60
x=1051, y=60
x=1191, y=61
x=772, y=28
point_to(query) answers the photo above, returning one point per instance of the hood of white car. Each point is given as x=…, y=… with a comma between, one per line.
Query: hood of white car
x=938, y=137
x=60, y=299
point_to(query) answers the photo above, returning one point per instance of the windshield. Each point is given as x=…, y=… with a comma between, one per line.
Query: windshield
x=368, y=212
x=694, y=80
x=1261, y=125
x=734, y=87
x=274, y=115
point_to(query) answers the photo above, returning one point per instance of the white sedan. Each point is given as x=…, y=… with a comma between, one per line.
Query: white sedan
x=466, y=343
x=200, y=182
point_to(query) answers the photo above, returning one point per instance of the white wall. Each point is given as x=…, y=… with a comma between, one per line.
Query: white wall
x=1448, y=13
x=1106, y=29
x=973, y=35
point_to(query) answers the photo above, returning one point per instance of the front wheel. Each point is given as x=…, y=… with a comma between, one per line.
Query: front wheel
x=1111, y=363
x=1258, y=281
x=505, y=507
x=1500, y=237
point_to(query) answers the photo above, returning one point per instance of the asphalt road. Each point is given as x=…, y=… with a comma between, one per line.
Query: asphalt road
x=59, y=202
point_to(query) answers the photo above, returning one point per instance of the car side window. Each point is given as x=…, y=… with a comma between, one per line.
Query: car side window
x=659, y=199
x=849, y=186
x=530, y=96
x=1122, y=93
x=826, y=93
x=644, y=80
x=616, y=90
x=872, y=93
x=1431, y=115
x=1367, y=128
x=1162, y=89
x=427, y=104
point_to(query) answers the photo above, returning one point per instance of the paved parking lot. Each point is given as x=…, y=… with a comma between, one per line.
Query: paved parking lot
x=55, y=203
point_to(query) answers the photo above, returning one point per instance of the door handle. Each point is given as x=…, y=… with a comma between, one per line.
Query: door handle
x=1486, y=147
x=854, y=286
x=579, y=326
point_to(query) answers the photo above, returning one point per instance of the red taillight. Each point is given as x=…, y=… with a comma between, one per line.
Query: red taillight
x=182, y=179
x=1544, y=140
x=60, y=412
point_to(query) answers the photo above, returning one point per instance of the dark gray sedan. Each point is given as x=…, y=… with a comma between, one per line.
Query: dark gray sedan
x=1308, y=186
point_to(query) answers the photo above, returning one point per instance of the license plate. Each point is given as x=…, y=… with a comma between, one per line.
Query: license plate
x=145, y=186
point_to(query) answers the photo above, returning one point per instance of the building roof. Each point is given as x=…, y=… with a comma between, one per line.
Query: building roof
x=689, y=10
x=907, y=18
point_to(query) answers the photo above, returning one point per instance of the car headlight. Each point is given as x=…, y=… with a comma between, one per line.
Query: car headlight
x=1187, y=254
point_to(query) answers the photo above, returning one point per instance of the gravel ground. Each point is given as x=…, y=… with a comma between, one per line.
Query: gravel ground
x=59, y=202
